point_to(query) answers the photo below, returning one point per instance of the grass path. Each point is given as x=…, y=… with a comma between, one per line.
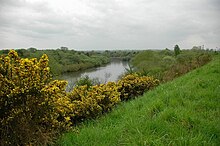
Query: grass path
x=185, y=111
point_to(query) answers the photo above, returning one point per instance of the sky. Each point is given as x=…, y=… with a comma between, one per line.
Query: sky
x=109, y=24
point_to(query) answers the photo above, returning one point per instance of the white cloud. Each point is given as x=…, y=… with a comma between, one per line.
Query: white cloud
x=111, y=24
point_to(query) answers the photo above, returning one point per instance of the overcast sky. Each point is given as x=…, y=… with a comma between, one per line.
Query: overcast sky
x=109, y=24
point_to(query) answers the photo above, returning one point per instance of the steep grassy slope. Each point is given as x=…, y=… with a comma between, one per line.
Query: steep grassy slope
x=185, y=111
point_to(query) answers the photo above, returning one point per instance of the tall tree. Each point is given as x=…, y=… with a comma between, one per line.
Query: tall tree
x=176, y=50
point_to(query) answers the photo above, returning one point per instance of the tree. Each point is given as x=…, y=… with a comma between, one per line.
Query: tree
x=196, y=48
x=176, y=50
x=64, y=48
x=23, y=53
x=32, y=50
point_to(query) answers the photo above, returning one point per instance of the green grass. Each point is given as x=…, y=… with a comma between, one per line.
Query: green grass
x=185, y=111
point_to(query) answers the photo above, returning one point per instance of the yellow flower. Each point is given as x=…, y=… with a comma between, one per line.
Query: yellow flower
x=67, y=119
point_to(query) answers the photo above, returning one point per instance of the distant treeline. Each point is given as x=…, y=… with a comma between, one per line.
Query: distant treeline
x=125, y=55
x=64, y=60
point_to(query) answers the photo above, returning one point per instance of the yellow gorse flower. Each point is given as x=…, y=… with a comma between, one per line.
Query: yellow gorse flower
x=27, y=92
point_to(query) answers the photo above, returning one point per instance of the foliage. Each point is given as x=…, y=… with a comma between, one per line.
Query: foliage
x=176, y=50
x=125, y=55
x=64, y=60
x=71, y=61
x=84, y=81
x=133, y=85
x=153, y=63
x=186, y=62
x=27, y=96
x=91, y=102
x=130, y=69
x=32, y=50
x=163, y=64
x=33, y=108
x=181, y=112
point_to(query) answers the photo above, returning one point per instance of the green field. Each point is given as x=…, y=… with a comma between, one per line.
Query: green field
x=185, y=111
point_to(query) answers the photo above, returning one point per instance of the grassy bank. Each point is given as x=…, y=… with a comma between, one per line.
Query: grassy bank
x=182, y=112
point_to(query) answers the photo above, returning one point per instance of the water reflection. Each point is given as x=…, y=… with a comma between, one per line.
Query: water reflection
x=110, y=72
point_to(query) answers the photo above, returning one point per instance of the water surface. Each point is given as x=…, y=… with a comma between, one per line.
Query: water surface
x=109, y=72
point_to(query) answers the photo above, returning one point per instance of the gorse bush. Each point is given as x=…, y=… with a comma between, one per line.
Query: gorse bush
x=27, y=98
x=134, y=85
x=34, y=108
x=91, y=102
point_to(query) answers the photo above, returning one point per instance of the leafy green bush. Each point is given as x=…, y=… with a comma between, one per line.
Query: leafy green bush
x=85, y=80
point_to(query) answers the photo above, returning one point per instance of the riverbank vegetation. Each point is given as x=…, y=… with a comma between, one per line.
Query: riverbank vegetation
x=184, y=111
x=125, y=55
x=167, y=64
x=35, y=108
x=62, y=61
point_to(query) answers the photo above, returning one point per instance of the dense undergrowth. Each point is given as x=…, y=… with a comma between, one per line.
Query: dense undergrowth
x=166, y=65
x=34, y=108
x=184, y=111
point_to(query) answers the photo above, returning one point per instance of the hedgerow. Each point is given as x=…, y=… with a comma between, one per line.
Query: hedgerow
x=34, y=108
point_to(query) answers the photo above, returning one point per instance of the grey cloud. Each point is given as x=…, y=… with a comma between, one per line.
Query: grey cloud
x=110, y=24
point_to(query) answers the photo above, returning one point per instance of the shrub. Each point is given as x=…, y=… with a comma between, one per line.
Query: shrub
x=27, y=108
x=134, y=85
x=185, y=63
x=89, y=102
x=84, y=81
x=33, y=108
x=176, y=50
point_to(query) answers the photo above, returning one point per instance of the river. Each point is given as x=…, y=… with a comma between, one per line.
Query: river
x=109, y=72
